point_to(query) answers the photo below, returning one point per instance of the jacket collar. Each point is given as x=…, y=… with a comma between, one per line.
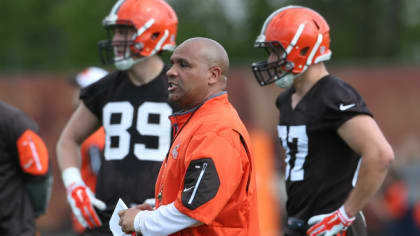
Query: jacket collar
x=181, y=117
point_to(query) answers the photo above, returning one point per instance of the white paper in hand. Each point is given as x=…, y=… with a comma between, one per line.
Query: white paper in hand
x=115, y=219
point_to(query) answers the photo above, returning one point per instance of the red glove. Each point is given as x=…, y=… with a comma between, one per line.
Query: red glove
x=81, y=199
x=329, y=224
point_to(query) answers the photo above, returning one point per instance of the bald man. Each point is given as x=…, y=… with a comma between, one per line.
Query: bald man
x=206, y=185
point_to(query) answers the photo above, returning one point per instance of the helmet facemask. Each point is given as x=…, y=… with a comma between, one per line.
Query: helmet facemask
x=122, y=51
x=269, y=72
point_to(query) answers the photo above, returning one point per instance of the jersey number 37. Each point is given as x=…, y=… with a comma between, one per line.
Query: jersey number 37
x=295, y=142
x=119, y=130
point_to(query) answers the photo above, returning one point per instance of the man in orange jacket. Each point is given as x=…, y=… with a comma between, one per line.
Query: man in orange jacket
x=206, y=185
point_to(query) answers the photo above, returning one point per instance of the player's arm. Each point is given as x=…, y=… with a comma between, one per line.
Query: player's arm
x=82, y=123
x=363, y=135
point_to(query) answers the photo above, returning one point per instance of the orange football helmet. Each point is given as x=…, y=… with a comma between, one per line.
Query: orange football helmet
x=150, y=26
x=295, y=37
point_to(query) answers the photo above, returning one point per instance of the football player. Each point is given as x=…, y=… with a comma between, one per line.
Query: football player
x=336, y=155
x=131, y=104
x=92, y=148
x=25, y=179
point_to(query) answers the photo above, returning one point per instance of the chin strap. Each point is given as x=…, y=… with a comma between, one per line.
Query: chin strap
x=286, y=81
x=127, y=63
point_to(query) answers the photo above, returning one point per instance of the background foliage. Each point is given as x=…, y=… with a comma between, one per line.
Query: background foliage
x=54, y=35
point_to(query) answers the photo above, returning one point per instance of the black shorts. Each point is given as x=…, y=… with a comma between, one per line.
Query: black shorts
x=297, y=227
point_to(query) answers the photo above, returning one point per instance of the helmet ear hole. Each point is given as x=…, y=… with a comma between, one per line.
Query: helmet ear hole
x=155, y=35
x=304, y=51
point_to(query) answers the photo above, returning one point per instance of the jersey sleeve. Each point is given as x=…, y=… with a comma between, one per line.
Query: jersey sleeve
x=34, y=161
x=95, y=95
x=30, y=147
x=19, y=124
x=33, y=153
x=214, y=172
x=343, y=102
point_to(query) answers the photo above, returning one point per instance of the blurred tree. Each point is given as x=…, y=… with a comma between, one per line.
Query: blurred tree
x=57, y=35
x=50, y=34
x=79, y=28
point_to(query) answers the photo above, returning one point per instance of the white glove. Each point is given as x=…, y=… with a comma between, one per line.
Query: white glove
x=329, y=224
x=81, y=199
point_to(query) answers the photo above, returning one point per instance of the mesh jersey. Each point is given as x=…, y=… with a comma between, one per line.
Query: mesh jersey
x=16, y=214
x=320, y=166
x=138, y=133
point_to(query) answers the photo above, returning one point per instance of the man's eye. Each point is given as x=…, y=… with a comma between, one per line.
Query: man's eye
x=183, y=64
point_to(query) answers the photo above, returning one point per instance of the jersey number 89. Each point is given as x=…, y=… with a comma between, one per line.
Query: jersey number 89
x=162, y=130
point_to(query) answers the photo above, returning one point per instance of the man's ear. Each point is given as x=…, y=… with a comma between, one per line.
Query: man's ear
x=215, y=73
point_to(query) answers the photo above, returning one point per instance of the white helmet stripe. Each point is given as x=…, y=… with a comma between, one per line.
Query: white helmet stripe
x=112, y=17
x=324, y=57
x=261, y=37
x=116, y=7
x=161, y=41
x=147, y=25
x=295, y=38
x=313, y=51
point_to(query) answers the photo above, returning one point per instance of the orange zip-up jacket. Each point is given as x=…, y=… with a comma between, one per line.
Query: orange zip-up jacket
x=209, y=171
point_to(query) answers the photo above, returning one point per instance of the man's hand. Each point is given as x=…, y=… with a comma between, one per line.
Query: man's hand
x=127, y=219
x=329, y=224
x=145, y=207
x=82, y=199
